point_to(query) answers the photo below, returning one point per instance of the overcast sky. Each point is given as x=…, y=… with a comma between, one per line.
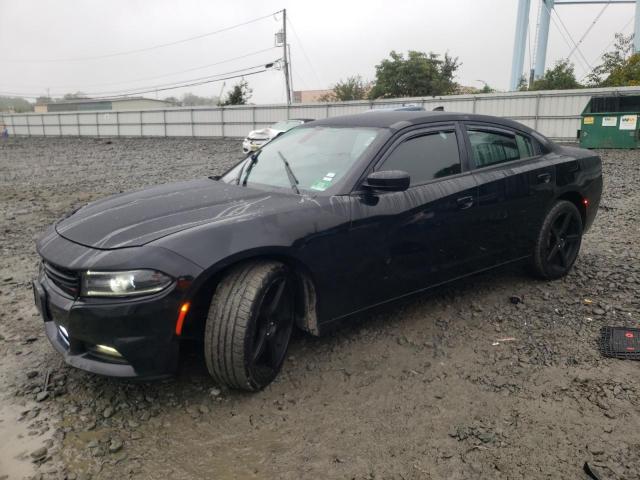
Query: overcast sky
x=340, y=38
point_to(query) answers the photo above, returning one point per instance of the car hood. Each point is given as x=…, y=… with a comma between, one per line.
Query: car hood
x=136, y=218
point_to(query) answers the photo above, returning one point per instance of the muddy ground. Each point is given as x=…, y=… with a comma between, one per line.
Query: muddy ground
x=421, y=389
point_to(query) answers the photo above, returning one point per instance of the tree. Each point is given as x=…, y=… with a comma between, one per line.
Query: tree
x=239, y=94
x=620, y=67
x=420, y=74
x=173, y=101
x=15, y=104
x=612, y=61
x=523, y=85
x=74, y=96
x=353, y=88
x=191, y=100
x=561, y=77
x=627, y=74
x=44, y=99
x=487, y=89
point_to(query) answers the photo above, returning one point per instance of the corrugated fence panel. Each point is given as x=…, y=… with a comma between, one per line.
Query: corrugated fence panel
x=69, y=130
x=201, y=130
x=177, y=130
x=68, y=119
x=178, y=116
x=152, y=117
x=554, y=113
x=89, y=130
x=236, y=115
x=87, y=118
x=236, y=130
x=314, y=111
x=348, y=109
x=270, y=115
x=108, y=130
x=133, y=130
x=110, y=118
x=152, y=130
x=207, y=116
x=129, y=117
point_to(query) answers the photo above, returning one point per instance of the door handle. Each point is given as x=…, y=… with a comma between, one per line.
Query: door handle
x=544, y=178
x=465, y=202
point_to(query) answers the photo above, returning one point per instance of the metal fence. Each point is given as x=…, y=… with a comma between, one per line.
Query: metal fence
x=553, y=113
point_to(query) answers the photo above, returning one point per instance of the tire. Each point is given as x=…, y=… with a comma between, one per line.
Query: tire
x=558, y=242
x=249, y=325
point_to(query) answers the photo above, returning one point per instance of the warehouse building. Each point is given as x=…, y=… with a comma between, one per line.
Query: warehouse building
x=114, y=104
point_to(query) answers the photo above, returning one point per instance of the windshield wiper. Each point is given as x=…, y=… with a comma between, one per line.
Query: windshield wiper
x=249, y=165
x=292, y=178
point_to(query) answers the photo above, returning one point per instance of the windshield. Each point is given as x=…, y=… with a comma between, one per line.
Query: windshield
x=318, y=157
x=286, y=125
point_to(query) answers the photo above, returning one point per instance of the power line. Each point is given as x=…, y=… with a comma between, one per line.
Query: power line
x=573, y=41
x=169, y=74
x=562, y=33
x=304, y=52
x=189, y=84
x=169, y=86
x=608, y=46
x=140, y=50
x=206, y=77
x=593, y=24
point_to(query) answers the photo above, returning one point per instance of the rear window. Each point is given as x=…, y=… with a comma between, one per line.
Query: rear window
x=491, y=148
x=525, y=146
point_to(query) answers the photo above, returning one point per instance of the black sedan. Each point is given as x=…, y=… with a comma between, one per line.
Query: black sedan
x=332, y=218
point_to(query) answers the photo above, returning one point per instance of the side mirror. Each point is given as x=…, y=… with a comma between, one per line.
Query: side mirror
x=388, y=181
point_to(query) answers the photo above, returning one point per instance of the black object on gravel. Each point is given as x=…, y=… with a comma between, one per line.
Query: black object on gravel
x=620, y=342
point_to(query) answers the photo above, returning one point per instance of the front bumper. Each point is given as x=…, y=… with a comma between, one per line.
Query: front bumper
x=140, y=329
x=142, y=332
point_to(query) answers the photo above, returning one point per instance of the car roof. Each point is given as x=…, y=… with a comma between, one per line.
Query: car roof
x=397, y=119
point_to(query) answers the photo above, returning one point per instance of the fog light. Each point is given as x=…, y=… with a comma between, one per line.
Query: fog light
x=106, y=350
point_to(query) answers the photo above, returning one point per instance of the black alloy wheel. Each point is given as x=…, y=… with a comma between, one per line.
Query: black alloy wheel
x=249, y=325
x=559, y=241
x=273, y=330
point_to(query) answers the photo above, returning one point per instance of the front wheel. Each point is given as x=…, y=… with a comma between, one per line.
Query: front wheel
x=558, y=241
x=249, y=325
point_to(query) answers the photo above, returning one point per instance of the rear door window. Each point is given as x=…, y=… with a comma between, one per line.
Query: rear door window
x=525, y=146
x=491, y=147
x=426, y=157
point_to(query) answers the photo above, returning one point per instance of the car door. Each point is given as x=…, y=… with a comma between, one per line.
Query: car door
x=515, y=185
x=416, y=238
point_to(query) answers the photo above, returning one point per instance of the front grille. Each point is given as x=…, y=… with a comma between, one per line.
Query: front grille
x=66, y=280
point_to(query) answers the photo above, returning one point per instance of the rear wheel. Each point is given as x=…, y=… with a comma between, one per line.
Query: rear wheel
x=249, y=325
x=558, y=242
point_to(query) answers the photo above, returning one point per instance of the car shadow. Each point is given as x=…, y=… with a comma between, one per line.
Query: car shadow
x=192, y=383
x=192, y=363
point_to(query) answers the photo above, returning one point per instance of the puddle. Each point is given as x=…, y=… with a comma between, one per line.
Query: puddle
x=15, y=442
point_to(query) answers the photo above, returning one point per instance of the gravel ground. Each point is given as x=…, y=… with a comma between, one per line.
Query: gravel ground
x=426, y=388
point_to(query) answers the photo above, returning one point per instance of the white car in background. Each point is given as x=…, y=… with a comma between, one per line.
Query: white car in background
x=257, y=138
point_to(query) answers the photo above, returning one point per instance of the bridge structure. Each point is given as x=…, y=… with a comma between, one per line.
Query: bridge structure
x=547, y=8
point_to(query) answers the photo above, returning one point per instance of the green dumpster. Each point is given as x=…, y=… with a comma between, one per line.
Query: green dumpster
x=611, y=122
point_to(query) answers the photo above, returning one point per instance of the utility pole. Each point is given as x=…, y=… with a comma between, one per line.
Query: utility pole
x=285, y=55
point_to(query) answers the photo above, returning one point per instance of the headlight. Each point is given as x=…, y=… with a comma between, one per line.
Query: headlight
x=123, y=284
